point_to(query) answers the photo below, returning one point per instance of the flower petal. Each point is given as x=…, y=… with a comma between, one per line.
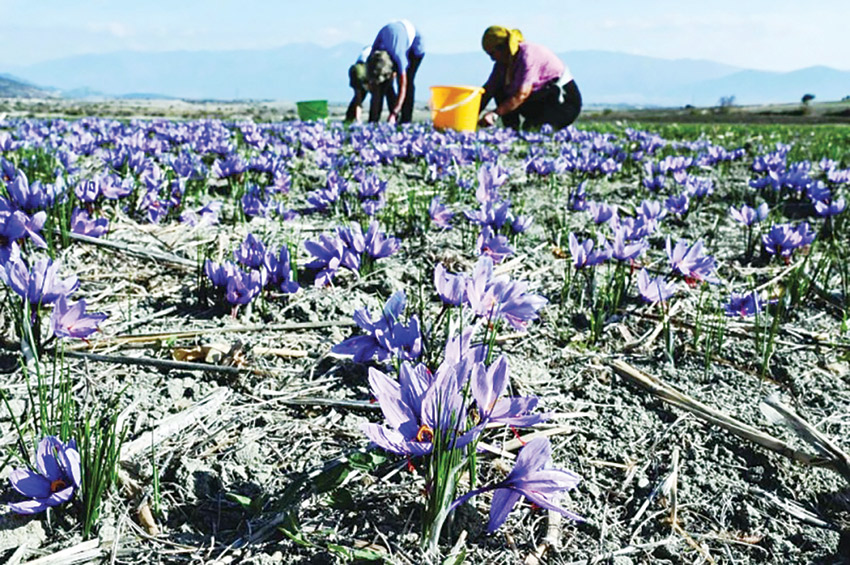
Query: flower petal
x=29, y=483
x=501, y=505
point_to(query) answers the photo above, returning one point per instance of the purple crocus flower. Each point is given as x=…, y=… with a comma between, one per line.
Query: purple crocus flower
x=243, y=287
x=377, y=244
x=830, y=208
x=532, y=478
x=328, y=253
x=743, y=304
x=251, y=252
x=654, y=290
x=749, y=216
x=494, y=246
x=206, y=215
x=386, y=337
x=41, y=284
x=584, y=255
x=488, y=386
x=279, y=269
x=500, y=297
x=783, y=239
x=677, y=204
x=219, y=273
x=623, y=251
x=58, y=476
x=15, y=224
x=83, y=224
x=691, y=262
x=521, y=223
x=73, y=321
x=416, y=407
x=451, y=287
x=440, y=214
x=601, y=212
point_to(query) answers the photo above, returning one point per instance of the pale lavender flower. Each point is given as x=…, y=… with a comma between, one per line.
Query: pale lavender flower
x=691, y=261
x=57, y=477
x=532, y=478
x=488, y=386
x=440, y=214
x=586, y=254
x=654, y=290
x=743, y=305
x=73, y=321
x=83, y=224
x=451, y=287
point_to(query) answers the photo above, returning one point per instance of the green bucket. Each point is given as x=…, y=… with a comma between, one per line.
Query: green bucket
x=312, y=110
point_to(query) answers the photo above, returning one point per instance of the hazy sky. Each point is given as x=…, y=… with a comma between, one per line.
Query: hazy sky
x=761, y=34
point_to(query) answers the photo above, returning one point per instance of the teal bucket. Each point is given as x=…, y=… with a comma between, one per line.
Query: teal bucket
x=312, y=110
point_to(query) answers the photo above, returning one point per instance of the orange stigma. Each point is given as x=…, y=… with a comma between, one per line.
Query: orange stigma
x=58, y=485
x=425, y=433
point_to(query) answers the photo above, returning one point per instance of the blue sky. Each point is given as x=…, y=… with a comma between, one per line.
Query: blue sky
x=777, y=35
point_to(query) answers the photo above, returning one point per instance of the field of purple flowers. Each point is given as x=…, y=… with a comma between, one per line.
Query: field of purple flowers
x=304, y=342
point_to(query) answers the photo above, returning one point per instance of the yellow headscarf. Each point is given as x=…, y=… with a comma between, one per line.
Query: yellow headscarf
x=496, y=36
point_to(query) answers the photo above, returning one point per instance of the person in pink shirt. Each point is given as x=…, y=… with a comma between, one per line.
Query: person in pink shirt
x=528, y=81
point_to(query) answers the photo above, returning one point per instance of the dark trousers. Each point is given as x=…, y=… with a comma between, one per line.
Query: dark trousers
x=552, y=104
x=387, y=90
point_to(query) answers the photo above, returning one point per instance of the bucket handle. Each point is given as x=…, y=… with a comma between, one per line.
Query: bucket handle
x=473, y=94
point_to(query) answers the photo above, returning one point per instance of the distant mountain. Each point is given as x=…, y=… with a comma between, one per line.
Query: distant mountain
x=305, y=71
x=12, y=87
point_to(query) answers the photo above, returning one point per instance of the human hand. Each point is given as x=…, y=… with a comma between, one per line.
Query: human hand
x=489, y=119
x=391, y=119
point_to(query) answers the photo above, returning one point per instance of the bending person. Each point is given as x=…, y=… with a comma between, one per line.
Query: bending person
x=357, y=81
x=527, y=80
x=396, y=52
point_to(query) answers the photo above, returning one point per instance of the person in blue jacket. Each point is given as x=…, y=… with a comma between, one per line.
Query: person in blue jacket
x=396, y=52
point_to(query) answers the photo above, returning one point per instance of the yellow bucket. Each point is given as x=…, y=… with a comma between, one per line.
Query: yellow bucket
x=456, y=107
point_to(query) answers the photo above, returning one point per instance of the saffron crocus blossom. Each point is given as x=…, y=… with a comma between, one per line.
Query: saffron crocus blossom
x=623, y=251
x=416, y=407
x=83, y=224
x=451, y=287
x=488, y=386
x=328, y=253
x=279, y=269
x=677, y=204
x=15, y=224
x=532, y=478
x=243, y=287
x=440, y=214
x=749, y=216
x=691, y=262
x=41, y=284
x=827, y=209
x=494, y=246
x=493, y=214
x=377, y=244
x=783, y=239
x=584, y=254
x=601, y=212
x=521, y=223
x=219, y=273
x=500, y=297
x=654, y=290
x=385, y=337
x=251, y=252
x=206, y=215
x=57, y=477
x=743, y=304
x=73, y=321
